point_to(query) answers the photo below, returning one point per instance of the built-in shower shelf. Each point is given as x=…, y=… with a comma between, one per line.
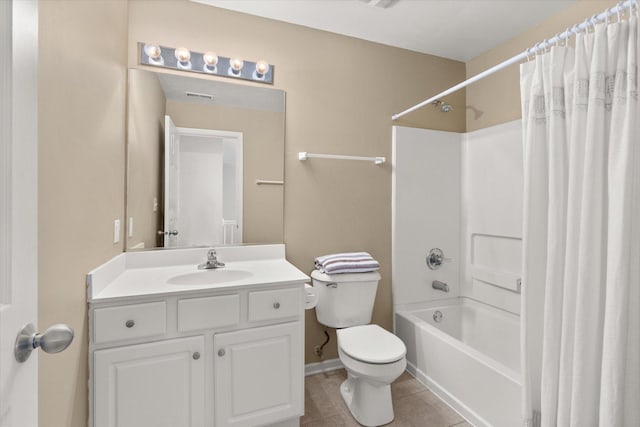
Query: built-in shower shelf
x=501, y=279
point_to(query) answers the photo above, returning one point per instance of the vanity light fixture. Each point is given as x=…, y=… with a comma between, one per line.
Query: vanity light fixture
x=154, y=53
x=262, y=67
x=206, y=63
x=235, y=67
x=210, y=62
x=183, y=57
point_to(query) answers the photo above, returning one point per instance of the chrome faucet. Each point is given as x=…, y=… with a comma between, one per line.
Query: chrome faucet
x=441, y=286
x=212, y=261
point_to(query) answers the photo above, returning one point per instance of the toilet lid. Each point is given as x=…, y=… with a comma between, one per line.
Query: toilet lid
x=371, y=344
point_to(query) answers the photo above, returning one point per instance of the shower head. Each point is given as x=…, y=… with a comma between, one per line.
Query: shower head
x=444, y=107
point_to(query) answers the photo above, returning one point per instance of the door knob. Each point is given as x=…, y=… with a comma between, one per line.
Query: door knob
x=54, y=340
x=168, y=233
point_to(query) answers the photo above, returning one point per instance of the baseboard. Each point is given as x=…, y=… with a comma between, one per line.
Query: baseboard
x=292, y=422
x=324, y=366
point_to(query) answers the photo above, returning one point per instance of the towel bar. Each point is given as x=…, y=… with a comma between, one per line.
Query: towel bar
x=303, y=155
x=267, y=182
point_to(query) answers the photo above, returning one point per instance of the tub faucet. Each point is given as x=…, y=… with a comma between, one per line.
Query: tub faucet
x=212, y=261
x=441, y=286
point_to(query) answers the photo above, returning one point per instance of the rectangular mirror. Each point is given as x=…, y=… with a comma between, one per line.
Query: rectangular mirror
x=197, y=151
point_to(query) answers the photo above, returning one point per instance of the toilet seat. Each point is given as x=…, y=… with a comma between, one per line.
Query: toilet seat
x=371, y=344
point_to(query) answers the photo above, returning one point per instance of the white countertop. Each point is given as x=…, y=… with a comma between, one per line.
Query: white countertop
x=134, y=274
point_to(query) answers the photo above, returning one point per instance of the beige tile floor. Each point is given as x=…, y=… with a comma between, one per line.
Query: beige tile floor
x=413, y=404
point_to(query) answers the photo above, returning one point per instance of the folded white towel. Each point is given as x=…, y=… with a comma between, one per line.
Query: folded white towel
x=348, y=262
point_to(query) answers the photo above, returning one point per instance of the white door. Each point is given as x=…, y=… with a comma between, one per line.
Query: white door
x=159, y=384
x=258, y=375
x=18, y=207
x=171, y=183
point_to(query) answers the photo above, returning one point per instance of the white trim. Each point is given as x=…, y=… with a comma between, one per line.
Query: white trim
x=209, y=133
x=324, y=366
x=5, y=149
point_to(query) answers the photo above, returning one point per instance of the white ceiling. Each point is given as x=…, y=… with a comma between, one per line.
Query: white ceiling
x=456, y=29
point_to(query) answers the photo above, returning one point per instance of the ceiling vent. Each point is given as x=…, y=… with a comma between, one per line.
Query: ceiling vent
x=383, y=4
x=200, y=95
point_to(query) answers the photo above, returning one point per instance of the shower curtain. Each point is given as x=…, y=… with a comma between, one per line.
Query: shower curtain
x=581, y=261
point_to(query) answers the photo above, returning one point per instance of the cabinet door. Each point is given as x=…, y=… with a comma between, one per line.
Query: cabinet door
x=150, y=385
x=258, y=375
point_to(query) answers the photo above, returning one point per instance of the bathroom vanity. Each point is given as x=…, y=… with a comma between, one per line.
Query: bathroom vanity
x=171, y=345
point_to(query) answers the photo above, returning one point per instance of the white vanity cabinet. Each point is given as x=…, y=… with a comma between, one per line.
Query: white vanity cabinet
x=155, y=384
x=254, y=380
x=231, y=356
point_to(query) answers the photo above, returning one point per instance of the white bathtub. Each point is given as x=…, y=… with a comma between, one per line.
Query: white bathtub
x=470, y=359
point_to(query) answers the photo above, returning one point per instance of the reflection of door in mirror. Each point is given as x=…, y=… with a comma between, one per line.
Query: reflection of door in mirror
x=202, y=186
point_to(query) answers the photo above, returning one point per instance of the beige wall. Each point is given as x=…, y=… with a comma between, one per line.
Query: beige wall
x=263, y=157
x=82, y=81
x=146, y=107
x=341, y=94
x=496, y=99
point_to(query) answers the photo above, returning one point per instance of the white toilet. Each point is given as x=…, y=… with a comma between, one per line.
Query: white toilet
x=373, y=357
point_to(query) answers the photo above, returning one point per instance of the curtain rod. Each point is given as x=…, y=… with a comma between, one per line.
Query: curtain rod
x=595, y=19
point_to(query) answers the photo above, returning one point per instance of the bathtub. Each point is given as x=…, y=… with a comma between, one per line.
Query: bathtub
x=467, y=353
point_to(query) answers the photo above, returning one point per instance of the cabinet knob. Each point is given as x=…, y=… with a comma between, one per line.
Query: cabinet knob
x=221, y=352
x=196, y=355
x=276, y=305
x=130, y=323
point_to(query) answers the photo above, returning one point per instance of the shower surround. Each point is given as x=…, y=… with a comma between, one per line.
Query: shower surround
x=461, y=193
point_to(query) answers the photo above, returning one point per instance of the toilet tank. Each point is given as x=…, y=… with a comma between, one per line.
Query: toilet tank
x=345, y=300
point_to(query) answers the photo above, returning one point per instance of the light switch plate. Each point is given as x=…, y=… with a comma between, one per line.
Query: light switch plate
x=116, y=231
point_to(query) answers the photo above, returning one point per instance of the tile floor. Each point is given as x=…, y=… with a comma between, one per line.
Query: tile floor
x=413, y=404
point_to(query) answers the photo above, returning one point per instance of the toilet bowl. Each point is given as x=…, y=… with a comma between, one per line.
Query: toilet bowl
x=373, y=358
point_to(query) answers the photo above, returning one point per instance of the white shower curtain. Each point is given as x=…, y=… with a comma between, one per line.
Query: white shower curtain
x=581, y=266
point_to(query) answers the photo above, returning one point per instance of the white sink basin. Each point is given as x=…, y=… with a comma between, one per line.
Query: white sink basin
x=210, y=277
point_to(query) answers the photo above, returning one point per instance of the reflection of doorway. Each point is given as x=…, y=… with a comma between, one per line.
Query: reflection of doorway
x=203, y=186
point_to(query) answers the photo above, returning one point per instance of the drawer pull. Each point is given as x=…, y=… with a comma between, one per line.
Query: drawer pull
x=130, y=323
x=221, y=352
x=196, y=355
x=276, y=305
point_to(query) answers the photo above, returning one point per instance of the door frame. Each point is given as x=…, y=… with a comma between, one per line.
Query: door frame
x=175, y=134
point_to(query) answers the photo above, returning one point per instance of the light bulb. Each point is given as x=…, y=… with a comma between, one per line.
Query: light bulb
x=210, y=58
x=262, y=67
x=210, y=61
x=154, y=53
x=183, y=54
x=235, y=66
